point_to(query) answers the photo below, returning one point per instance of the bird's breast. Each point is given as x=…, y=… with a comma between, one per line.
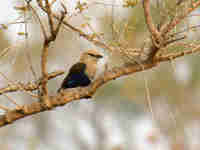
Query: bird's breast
x=91, y=70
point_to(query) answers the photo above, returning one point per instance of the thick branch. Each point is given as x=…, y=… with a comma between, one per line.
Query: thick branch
x=69, y=95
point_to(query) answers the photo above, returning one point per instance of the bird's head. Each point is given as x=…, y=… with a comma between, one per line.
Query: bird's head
x=94, y=61
x=91, y=56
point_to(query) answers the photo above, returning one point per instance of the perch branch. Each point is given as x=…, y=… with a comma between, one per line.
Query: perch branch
x=70, y=95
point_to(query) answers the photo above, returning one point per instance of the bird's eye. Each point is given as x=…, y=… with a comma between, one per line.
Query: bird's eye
x=97, y=56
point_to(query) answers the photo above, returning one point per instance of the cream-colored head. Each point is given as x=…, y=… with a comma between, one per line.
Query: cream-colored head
x=93, y=60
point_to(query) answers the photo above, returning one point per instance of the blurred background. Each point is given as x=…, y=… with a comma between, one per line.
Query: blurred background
x=118, y=117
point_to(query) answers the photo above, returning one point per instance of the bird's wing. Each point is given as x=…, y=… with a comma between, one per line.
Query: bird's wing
x=76, y=80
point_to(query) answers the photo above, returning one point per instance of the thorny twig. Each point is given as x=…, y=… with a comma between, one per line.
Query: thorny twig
x=160, y=38
x=31, y=86
x=167, y=28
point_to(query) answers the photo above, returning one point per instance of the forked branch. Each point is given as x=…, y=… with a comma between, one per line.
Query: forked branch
x=70, y=95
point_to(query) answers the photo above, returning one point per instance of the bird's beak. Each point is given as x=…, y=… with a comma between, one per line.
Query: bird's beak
x=99, y=56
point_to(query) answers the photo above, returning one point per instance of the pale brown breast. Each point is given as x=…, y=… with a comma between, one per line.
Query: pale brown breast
x=91, y=69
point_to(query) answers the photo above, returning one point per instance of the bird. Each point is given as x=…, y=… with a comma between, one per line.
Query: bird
x=81, y=74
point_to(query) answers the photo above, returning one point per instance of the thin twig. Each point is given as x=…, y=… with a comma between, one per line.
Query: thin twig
x=86, y=36
x=40, y=22
x=148, y=97
x=31, y=94
x=185, y=30
x=50, y=18
x=172, y=56
x=152, y=28
x=31, y=86
x=12, y=101
x=28, y=56
x=173, y=65
x=4, y=108
x=6, y=78
x=178, y=19
x=174, y=40
x=13, y=84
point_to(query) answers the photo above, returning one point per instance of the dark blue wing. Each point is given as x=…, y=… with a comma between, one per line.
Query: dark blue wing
x=76, y=79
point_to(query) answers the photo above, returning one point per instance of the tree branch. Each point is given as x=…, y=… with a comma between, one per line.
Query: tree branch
x=70, y=95
x=46, y=44
x=31, y=86
x=167, y=28
x=152, y=29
